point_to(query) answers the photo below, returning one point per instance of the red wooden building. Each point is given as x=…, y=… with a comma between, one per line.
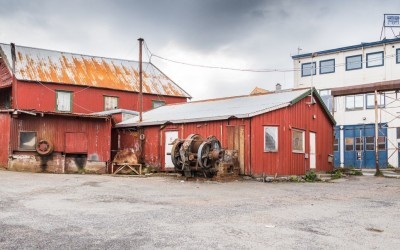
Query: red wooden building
x=283, y=132
x=52, y=95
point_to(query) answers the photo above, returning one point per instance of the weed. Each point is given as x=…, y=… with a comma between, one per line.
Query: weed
x=311, y=177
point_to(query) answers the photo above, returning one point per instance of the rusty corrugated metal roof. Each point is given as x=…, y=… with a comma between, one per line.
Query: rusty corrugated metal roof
x=33, y=64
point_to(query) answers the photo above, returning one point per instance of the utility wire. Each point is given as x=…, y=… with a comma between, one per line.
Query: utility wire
x=253, y=70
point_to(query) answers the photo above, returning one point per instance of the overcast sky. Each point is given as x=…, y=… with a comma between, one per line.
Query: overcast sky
x=229, y=33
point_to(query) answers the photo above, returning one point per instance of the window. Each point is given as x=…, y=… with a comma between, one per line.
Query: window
x=397, y=55
x=298, y=141
x=359, y=143
x=126, y=116
x=27, y=140
x=349, y=143
x=371, y=101
x=327, y=98
x=369, y=143
x=63, y=101
x=157, y=104
x=375, y=59
x=270, y=139
x=110, y=102
x=354, y=102
x=381, y=143
x=327, y=66
x=398, y=133
x=354, y=62
x=308, y=69
x=336, y=144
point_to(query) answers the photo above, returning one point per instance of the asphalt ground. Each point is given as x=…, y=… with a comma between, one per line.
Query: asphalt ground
x=50, y=211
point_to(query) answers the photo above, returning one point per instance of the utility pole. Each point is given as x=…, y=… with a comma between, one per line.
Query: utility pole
x=140, y=80
x=378, y=171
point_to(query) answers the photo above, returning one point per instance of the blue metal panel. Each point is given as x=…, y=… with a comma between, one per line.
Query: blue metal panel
x=367, y=159
x=336, y=154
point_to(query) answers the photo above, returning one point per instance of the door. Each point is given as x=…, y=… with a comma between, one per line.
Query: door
x=313, y=158
x=170, y=136
x=236, y=142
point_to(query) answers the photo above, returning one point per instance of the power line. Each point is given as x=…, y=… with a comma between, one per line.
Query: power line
x=253, y=70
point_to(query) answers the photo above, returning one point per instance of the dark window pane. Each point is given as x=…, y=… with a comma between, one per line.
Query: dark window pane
x=27, y=140
x=349, y=142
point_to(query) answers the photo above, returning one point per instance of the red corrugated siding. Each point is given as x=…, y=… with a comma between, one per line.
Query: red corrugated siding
x=33, y=95
x=4, y=138
x=5, y=75
x=53, y=128
x=257, y=162
x=285, y=162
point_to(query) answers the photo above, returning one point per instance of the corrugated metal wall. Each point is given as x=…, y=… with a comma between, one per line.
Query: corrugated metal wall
x=86, y=100
x=4, y=138
x=257, y=162
x=285, y=162
x=53, y=128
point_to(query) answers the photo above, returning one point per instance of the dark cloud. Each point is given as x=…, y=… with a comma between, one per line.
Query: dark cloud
x=234, y=33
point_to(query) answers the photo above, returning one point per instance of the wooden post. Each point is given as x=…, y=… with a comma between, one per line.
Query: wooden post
x=140, y=80
x=378, y=172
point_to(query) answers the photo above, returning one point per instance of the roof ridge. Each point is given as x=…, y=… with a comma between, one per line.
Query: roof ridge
x=73, y=53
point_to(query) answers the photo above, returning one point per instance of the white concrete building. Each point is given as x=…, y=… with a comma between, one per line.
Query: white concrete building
x=358, y=70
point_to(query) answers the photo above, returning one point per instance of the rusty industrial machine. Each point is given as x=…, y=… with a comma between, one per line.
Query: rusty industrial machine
x=195, y=156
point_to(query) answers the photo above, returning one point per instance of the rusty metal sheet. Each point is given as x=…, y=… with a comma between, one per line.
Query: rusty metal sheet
x=33, y=64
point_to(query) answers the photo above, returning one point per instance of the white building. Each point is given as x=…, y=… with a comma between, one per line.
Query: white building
x=356, y=71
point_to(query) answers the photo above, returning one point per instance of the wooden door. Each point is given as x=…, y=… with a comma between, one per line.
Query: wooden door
x=312, y=151
x=236, y=142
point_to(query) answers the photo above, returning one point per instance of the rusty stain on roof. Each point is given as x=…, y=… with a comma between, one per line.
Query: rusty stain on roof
x=49, y=66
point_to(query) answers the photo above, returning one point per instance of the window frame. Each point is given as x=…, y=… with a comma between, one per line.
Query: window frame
x=71, y=101
x=320, y=66
x=354, y=108
x=398, y=55
x=155, y=101
x=373, y=106
x=19, y=141
x=384, y=143
x=276, y=140
x=345, y=144
x=336, y=144
x=361, y=64
x=359, y=144
x=369, y=143
x=110, y=96
x=303, y=139
x=311, y=74
x=374, y=53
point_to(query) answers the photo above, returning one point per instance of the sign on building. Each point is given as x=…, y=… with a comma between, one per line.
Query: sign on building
x=392, y=20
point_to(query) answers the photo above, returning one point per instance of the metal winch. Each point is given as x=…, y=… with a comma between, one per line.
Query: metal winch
x=196, y=155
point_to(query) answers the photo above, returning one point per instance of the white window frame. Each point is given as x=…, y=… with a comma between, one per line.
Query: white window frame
x=114, y=98
x=60, y=108
x=303, y=141
x=354, y=107
x=276, y=133
x=381, y=101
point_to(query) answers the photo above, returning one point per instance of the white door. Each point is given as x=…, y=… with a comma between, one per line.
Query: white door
x=170, y=136
x=312, y=151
